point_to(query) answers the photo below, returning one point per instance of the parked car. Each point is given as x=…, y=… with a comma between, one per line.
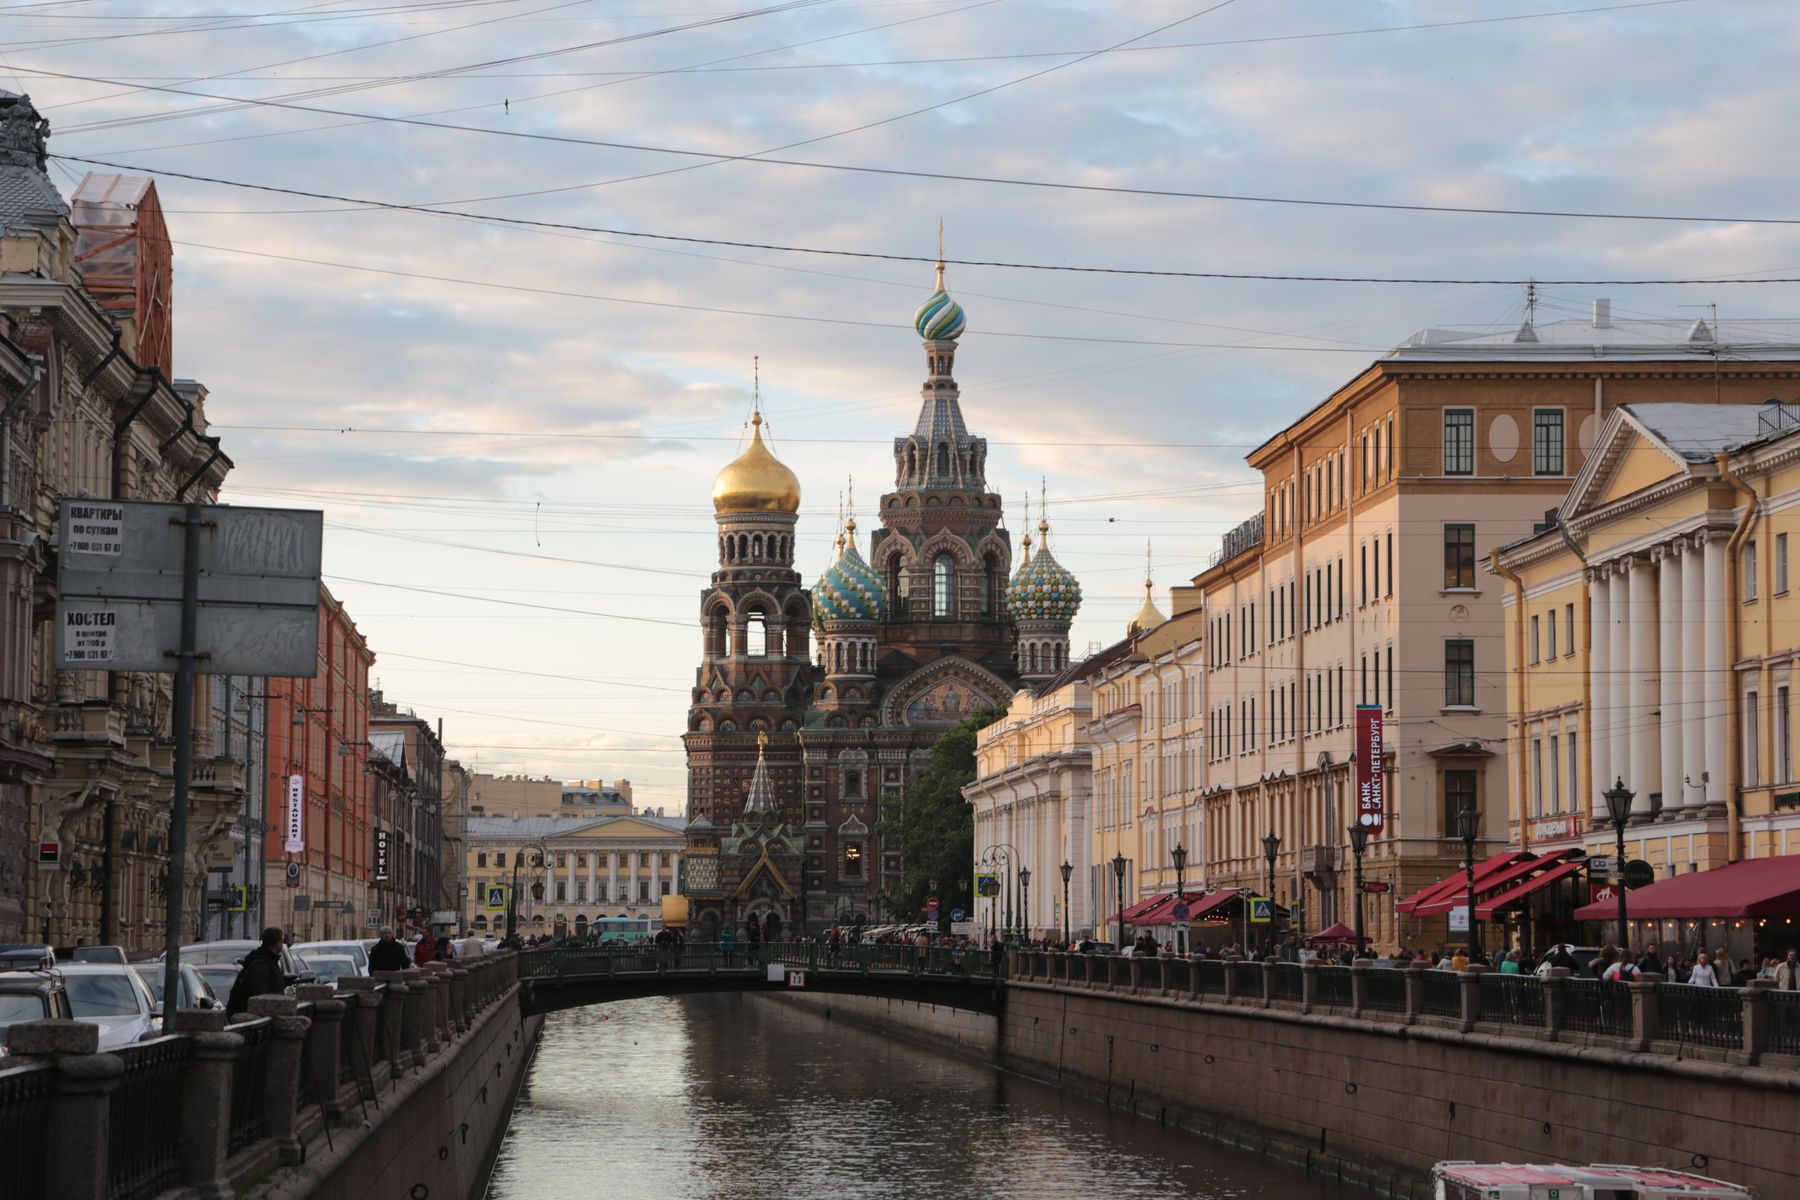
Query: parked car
x=233, y=952
x=114, y=998
x=28, y=996
x=27, y=956
x=195, y=991
x=329, y=968
x=219, y=977
x=98, y=954
x=351, y=950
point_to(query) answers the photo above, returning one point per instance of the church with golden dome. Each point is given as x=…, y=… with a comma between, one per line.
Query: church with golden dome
x=813, y=708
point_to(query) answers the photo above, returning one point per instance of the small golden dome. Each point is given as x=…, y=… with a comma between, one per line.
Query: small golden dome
x=1148, y=616
x=755, y=481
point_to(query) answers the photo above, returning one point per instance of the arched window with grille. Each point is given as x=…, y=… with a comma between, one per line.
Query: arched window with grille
x=943, y=575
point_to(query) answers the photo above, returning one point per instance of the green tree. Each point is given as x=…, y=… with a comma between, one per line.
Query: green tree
x=933, y=825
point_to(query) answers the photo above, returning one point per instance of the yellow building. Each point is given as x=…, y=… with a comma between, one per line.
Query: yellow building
x=616, y=868
x=1650, y=636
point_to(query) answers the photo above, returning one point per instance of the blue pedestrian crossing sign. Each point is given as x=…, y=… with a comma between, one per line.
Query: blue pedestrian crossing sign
x=1262, y=910
x=240, y=899
x=496, y=897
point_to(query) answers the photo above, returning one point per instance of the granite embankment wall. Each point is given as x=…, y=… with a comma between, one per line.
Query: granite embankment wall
x=948, y=1029
x=433, y=1132
x=1380, y=1102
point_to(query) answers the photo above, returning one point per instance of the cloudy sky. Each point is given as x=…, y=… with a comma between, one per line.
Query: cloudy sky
x=513, y=427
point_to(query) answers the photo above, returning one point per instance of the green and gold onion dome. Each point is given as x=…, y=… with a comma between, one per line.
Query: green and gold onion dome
x=755, y=481
x=1043, y=590
x=849, y=590
x=939, y=319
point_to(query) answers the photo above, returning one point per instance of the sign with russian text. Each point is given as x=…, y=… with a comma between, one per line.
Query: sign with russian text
x=95, y=528
x=1371, y=784
x=381, y=855
x=296, y=816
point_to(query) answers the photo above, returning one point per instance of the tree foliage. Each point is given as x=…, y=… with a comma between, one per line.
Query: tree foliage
x=934, y=826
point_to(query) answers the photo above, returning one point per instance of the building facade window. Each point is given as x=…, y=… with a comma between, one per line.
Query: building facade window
x=1547, y=441
x=943, y=579
x=1750, y=570
x=1553, y=767
x=1537, y=777
x=1784, y=747
x=1780, y=563
x=1459, y=557
x=1752, y=742
x=1459, y=673
x=1459, y=793
x=1550, y=633
x=1568, y=629
x=1459, y=441
x=1574, y=740
x=1534, y=639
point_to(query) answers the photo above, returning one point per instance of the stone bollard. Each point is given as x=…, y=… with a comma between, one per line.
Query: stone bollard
x=1646, y=1022
x=1359, y=984
x=281, y=1083
x=206, y=1083
x=1231, y=979
x=1756, y=1021
x=1556, y=1002
x=415, y=1026
x=1414, y=974
x=459, y=999
x=361, y=1020
x=324, y=1046
x=1471, y=995
x=80, y=1098
x=393, y=1018
x=1268, y=983
x=1309, y=984
x=437, y=1006
x=1134, y=975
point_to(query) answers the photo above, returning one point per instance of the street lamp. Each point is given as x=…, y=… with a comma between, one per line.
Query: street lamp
x=1024, y=903
x=1618, y=807
x=1359, y=841
x=512, y=893
x=1179, y=855
x=1067, y=870
x=1468, y=823
x=1271, y=847
x=1119, y=874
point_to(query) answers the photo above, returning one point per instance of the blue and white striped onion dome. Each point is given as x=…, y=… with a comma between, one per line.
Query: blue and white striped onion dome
x=1043, y=590
x=849, y=590
x=939, y=319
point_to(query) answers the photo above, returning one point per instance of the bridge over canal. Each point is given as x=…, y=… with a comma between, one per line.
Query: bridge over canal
x=560, y=977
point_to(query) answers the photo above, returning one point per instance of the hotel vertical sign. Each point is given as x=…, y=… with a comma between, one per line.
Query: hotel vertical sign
x=1371, y=783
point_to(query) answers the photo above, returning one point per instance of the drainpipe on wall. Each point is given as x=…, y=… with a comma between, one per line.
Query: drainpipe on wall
x=1519, y=617
x=1734, y=832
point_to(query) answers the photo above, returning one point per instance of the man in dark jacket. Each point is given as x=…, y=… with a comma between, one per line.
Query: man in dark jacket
x=388, y=954
x=261, y=974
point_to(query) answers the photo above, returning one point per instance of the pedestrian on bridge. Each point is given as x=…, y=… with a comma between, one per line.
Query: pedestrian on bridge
x=426, y=950
x=728, y=945
x=388, y=954
x=261, y=974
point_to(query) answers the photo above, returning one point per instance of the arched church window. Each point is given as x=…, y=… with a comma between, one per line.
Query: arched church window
x=838, y=656
x=990, y=571
x=1034, y=658
x=1057, y=656
x=756, y=635
x=853, y=866
x=943, y=460
x=943, y=574
x=756, y=547
x=897, y=578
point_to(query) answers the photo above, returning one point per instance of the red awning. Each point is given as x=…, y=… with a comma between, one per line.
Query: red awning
x=1485, y=909
x=1444, y=887
x=1333, y=933
x=1133, y=914
x=1493, y=881
x=1198, y=904
x=1757, y=887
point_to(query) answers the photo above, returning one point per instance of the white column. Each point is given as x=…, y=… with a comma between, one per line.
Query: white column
x=1668, y=630
x=1693, y=681
x=612, y=876
x=1718, y=671
x=633, y=897
x=1646, y=762
x=1619, y=678
x=569, y=885
x=592, y=863
x=1599, y=582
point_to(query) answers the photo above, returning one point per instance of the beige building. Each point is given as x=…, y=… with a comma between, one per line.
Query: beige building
x=1357, y=584
x=543, y=797
x=616, y=868
x=1651, y=634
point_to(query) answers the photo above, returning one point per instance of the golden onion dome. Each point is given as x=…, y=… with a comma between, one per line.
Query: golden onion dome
x=755, y=481
x=1147, y=617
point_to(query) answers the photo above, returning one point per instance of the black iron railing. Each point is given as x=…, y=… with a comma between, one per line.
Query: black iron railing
x=1286, y=982
x=1700, y=1016
x=1783, y=1012
x=750, y=958
x=1246, y=978
x=1333, y=988
x=1512, y=1000
x=1384, y=990
x=249, y=1078
x=1597, y=1006
x=144, y=1118
x=25, y=1129
x=1442, y=993
x=1176, y=972
x=1209, y=976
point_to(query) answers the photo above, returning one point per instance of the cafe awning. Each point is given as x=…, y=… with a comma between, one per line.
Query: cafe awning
x=1757, y=887
x=1199, y=903
x=1487, y=885
x=1136, y=912
x=1520, y=888
x=1444, y=888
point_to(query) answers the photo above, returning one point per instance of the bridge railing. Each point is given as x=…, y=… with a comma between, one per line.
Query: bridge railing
x=198, y=1108
x=752, y=958
x=1742, y=1025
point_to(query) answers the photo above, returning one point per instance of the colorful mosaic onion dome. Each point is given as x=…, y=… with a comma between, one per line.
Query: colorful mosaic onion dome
x=850, y=590
x=755, y=481
x=939, y=319
x=1043, y=590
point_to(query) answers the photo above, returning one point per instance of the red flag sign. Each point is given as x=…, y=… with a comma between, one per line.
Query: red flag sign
x=1371, y=783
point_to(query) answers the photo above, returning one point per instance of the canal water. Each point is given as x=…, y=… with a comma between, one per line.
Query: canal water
x=727, y=1096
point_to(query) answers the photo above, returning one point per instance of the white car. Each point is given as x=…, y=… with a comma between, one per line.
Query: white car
x=352, y=950
x=114, y=997
x=329, y=968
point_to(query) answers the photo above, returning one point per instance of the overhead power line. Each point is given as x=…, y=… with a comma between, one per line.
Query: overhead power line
x=889, y=256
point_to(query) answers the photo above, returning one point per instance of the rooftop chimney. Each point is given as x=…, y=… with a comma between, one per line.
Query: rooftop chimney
x=1603, y=314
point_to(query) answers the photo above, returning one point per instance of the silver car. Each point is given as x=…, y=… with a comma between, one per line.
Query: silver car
x=329, y=968
x=354, y=951
x=195, y=991
x=112, y=996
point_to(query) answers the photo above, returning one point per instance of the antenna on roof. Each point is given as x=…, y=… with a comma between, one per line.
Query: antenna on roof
x=1528, y=331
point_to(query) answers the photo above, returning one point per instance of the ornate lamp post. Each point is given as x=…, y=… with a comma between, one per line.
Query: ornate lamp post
x=1271, y=847
x=1067, y=870
x=1118, y=865
x=512, y=893
x=1618, y=808
x=1468, y=824
x=1024, y=904
x=1359, y=841
x=1179, y=855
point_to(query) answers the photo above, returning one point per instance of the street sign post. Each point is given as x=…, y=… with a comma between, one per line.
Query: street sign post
x=1599, y=865
x=1262, y=909
x=1639, y=873
x=1376, y=885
